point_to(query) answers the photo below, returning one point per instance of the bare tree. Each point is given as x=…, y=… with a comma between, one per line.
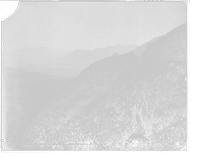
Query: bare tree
x=149, y=97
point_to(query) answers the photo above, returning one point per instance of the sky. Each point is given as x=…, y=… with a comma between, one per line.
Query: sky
x=72, y=26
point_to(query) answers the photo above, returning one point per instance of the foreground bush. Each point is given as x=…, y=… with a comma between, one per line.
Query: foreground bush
x=172, y=138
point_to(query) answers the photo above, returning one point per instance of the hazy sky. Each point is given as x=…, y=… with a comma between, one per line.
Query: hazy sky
x=89, y=25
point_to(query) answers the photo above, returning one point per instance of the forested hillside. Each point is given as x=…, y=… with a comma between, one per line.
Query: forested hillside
x=93, y=81
x=134, y=101
x=171, y=46
x=146, y=99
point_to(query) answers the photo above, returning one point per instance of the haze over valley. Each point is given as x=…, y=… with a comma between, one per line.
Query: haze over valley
x=59, y=63
x=95, y=76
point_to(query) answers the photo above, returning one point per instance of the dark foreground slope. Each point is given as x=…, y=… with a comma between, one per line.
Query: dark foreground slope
x=147, y=99
x=111, y=115
x=106, y=121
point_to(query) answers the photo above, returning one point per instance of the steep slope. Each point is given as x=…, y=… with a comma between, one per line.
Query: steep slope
x=113, y=116
x=170, y=47
x=178, y=30
x=107, y=117
x=93, y=81
x=140, y=49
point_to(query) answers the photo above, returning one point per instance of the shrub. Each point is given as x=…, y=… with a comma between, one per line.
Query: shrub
x=172, y=138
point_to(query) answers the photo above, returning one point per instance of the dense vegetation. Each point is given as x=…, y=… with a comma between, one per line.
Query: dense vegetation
x=116, y=97
x=146, y=99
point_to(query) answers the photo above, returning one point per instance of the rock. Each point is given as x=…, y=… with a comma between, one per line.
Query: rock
x=136, y=141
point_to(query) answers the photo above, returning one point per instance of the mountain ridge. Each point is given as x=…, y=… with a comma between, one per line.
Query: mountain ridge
x=90, y=83
x=81, y=85
x=170, y=45
x=142, y=48
x=55, y=62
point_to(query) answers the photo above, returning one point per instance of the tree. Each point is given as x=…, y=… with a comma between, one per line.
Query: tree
x=150, y=95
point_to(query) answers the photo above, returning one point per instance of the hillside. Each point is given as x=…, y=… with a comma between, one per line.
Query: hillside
x=140, y=49
x=108, y=115
x=134, y=101
x=160, y=87
x=72, y=98
x=93, y=81
x=170, y=47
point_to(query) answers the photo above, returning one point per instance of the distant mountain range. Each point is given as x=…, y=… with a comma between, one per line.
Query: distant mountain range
x=59, y=63
x=69, y=64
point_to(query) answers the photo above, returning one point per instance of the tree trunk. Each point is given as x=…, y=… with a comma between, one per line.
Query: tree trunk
x=148, y=129
x=146, y=124
x=133, y=121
